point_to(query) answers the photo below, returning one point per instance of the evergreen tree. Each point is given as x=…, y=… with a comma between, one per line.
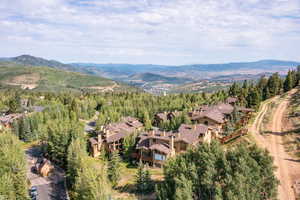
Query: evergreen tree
x=289, y=82
x=114, y=169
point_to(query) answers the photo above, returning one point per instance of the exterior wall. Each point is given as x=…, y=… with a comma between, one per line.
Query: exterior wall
x=180, y=147
x=207, y=137
x=95, y=151
x=209, y=122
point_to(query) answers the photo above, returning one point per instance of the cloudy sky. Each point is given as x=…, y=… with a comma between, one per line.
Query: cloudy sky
x=151, y=31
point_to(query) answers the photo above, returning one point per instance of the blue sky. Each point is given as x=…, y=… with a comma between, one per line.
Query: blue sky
x=170, y=32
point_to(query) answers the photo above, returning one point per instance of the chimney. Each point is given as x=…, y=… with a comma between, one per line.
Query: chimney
x=179, y=134
x=195, y=126
x=152, y=133
x=99, y=142
x=172, y=143
x=107, y=134
x=164, y=133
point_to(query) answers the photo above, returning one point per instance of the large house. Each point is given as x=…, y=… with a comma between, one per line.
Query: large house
x=216, y=115
x=111, y=137
x=6, y=121
x=156, y=146
x=165, y=116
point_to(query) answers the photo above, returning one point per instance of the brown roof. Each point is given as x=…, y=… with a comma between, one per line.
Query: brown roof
x=243, y=109
x=162, y=147
x=9, y=118
x=213, y=114
x=191, y=133
x=224, y=108
x=231, y=100
x=122, y=129
x=93, y=141
x=162, y=116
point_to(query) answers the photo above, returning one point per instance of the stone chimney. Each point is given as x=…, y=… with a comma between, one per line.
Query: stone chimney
x=172, y=145
x=172, y=142
x=99, y=142
x=107, y=134
x=152, y=133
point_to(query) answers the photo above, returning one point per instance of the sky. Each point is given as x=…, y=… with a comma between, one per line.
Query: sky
x=169, y=32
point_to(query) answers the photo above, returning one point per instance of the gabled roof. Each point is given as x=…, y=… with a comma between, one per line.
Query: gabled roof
x=119, y=130
x=93, y=141
x=231, y=100
x=191, y=133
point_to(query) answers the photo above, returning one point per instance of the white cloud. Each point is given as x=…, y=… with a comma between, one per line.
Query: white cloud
x=151, y=31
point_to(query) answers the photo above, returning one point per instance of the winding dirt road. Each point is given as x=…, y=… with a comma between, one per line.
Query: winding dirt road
x=287, y=167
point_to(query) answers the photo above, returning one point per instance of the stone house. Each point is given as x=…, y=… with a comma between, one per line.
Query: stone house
x=154, y=147
x=111, y=137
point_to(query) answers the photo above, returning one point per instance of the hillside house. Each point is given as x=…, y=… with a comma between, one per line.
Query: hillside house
x=111, y=137
x=154, y=147
x=6, y=121
x=231, y=100
x=165, y=116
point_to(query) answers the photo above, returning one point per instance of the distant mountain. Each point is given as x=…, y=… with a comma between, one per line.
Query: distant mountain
x=150, y=77
x=196, y=71
x=43, y=78
x=28, y=60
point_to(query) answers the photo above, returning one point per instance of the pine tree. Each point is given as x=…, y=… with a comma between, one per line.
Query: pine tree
x=289, y=82
x=114, y=170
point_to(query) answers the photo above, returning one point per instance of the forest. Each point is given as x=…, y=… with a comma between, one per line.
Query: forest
x=242, y=173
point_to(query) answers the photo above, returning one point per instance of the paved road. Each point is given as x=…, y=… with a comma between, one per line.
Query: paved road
x=49, y=188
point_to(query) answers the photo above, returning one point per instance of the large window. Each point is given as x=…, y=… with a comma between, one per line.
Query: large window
x=159, y=156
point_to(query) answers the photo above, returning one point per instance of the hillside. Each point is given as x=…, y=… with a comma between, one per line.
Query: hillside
x=28, y=60
x=50, y=79
x=150, y=77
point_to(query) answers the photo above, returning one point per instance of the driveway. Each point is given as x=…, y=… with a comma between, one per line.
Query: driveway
x=48, y=188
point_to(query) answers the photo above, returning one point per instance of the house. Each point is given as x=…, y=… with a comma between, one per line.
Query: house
x=156, y=146
x=210, y=117
x=165, y=116
x=43, y=167
x=111, y=137
x=231, y=100
x=7, y=120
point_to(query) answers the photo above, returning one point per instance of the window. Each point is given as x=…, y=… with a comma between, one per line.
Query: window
x=159, y=157
x=206, y=123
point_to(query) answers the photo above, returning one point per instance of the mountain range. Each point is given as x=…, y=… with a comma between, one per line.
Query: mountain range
x=148, y=76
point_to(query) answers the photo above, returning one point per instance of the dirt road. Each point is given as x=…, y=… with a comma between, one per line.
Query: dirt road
x=287, y=167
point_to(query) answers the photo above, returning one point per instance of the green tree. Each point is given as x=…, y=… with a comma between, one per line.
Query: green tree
x=225, y=175
x=114, y=168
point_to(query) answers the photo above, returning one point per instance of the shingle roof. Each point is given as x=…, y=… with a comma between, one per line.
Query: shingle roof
x=93, y=140
x=231, y=100
x=191, y=133
x=164, y=148
x=122, y=129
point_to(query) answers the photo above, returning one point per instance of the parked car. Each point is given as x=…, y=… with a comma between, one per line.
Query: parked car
x=33, y=193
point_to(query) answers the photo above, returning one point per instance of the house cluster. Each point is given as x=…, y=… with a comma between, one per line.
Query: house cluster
x=155, y=146
x=7, y=118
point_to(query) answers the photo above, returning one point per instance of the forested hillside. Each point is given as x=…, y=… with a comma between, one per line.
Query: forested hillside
x=50, y=79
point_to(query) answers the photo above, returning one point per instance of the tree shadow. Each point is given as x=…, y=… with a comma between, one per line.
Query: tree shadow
x=292, y=160
x=282, y=133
